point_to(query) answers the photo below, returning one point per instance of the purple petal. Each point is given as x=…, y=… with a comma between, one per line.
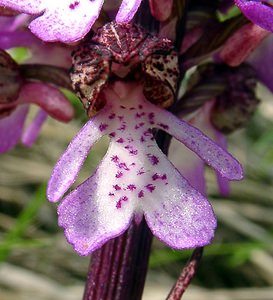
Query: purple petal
x=223, y=183
x=261, y=61
x=68, y=167
x=26, y=6
x=257, y=12
x=199, y=143
x=16, y=39
x=11, y=128
x=89, y=218
x=68, y=22
x=188, y=164
x=65, y=21
x=127, y=10
x=179, y=215
x=31, y=133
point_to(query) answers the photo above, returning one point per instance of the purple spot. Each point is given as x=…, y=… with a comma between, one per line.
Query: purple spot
x=114, y=158
x=133, y=151
x=73, y=5
x=139, y=115
x=142, y=139
x=153, y=159
x=112, y=116
x=111, y=194
x=148, y=132
x=131, y=187
x=121, y=118
x=151, y=115
x=140, y=194
x=130, y=140
x=121, y=106
x=120, y=140
x=140, y=106
x=156, y=176
x=123, y=166
x=122, y=199
x=112, y=134
x=132, y=108
x=118, y=205
x=122, y=127
x=140, y=171
x=164, y=126
x=103, y=126
x=117, y=187
x=150, y=187
x=119, y=174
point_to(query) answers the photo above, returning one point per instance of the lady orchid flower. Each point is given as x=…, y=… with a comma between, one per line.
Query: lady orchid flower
x=135, y=178
x=67, y=20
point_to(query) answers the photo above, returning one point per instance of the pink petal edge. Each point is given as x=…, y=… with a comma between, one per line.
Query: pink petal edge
x=31, y=133
x=127, y=10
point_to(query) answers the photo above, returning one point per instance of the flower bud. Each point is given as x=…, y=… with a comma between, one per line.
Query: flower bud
x=236, y=105
x=10, y=79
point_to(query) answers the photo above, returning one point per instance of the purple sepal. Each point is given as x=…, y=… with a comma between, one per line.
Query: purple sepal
x=64, y=21
x=11, y=128
x=257, y=12
x=261, y=61
x=127, y=10
x=223, y=183
x=31, y=133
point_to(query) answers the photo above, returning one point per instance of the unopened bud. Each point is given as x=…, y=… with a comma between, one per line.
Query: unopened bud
x=234, y=108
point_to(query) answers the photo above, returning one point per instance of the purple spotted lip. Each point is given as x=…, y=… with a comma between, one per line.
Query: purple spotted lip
x=135, y=177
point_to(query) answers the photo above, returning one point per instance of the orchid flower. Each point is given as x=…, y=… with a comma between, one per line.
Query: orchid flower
x=258, y=12
x=67, y=20
x=135, y=178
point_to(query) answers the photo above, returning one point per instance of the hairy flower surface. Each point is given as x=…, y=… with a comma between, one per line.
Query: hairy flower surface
x=135, y=178
x=67, y=20
x=257, y=11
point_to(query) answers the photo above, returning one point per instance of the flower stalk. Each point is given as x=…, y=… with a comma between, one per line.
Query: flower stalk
x=186, y=275
x=118, y=269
